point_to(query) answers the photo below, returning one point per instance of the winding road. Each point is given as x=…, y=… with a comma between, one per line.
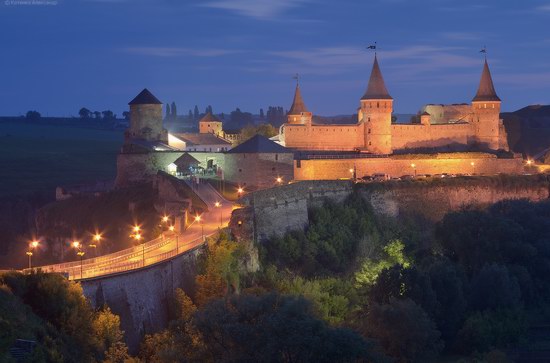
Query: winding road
x=160, y=249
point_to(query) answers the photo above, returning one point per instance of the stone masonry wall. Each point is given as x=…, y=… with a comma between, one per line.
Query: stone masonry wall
x=396, y=166
x=141, y=298
x=278, y=210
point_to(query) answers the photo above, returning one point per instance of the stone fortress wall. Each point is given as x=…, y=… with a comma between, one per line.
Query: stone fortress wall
x=398, y=165
x=278, y=210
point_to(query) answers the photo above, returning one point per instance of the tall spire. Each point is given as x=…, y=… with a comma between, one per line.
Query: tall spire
x=298, y=105
x=376, y=89
x=486, y=90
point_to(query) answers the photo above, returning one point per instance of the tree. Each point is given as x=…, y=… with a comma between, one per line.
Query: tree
x=262, y=116
x=84, y=112
x=33, y=115
x=370, y=269
x=208, y=109
x=168, y=112
x=403, y=329
x=126, y=115
x=220, y=274
x=97, y=115
x=108, y=115
x=243, y=328
x=196, y=113
x=190, y=115
x=109, y=337
x=174, y=113
x=494, y=288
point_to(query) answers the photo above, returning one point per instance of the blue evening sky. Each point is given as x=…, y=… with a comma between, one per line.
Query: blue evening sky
x=58, y=57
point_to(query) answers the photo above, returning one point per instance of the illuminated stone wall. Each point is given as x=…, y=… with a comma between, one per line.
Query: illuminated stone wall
x=396, y=166
x=319, y=137
x=258, y=169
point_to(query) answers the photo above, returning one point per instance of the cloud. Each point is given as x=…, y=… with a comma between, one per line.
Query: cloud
x=543, y=7
x=413, y=60
x=179, y=52
x=260, y=9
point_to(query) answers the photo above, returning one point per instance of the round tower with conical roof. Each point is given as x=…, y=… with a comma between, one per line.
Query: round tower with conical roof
x=486, y=112
x=375, y=113
x=210, y=124
x=298, y=113
x=146, y=118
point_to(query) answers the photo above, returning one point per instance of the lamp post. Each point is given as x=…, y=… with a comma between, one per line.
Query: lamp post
x=32, y=245
x=413, y=165
x=279, y=180
x=137, y=236
x=172, y=229
x=240, y=191
x=165, y=218
x=351, y=172
x=219, y=205
x=199, y=220
x=473, y=167
x=80, y=253
x=96, y=239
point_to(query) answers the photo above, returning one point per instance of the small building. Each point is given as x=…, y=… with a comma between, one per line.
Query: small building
x=259, y=162
x=208, y=142
x=186, y=165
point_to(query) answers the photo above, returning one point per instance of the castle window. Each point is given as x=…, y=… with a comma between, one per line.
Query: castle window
x=368, y=119
x=298, y=163
x=370, y=143
x=276, y=157
x=493, y=105
x=240, y=170
x=369, y=131
x=377, y=104
x=272, y=169
x=484, y=105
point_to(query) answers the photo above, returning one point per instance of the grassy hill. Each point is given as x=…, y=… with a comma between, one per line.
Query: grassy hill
x=37, y=158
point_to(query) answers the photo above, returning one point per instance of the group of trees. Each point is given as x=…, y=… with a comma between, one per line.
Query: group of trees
x=467, y=289
x=106, y=115
x=53, y=312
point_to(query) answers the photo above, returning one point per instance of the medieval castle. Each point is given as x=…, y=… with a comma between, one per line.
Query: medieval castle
x=458, y=138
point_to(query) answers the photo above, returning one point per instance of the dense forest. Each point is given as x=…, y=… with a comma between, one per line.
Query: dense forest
x=353, y=286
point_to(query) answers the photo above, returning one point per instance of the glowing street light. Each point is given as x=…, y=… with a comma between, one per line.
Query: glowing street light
x=136, y=228
x=165, y=219
x=171, y=228
x=529, y=162
x=219, y=205
x=96, y=238
x=413, y=165
x=80, y=253
x=279, y=180
x=473, y=167
x=240, y=191
x=32, y=246
x=137, y=236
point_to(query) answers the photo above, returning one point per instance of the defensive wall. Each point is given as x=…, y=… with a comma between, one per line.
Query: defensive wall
x=398, y=165
x=142, y=297
x=278, y=210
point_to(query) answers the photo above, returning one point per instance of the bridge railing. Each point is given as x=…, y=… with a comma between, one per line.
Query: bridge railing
x=125, y=260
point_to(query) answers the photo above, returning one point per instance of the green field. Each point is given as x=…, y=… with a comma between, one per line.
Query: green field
x=37, y=158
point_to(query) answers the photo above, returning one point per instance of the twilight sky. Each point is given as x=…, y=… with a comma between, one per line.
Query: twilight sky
x=59, y=57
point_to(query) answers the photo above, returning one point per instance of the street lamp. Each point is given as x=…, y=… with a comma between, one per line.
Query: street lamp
x=165, y=218
x=198, y=219
x=473, y=167
x=171, y=228
x=80, y=253
x=96, y=238
x=279, y=180
x=32, y=245
x=137, y=236
x=240, y=191
x=219, y=205
x=413, y=165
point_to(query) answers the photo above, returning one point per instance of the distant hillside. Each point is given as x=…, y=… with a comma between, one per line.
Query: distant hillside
x=528, y=129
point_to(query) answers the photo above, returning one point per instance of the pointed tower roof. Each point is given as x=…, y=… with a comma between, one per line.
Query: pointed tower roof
x=145, y=98
x=298, y=105
x=209, y=118
x=486, y=90
x=376, y=89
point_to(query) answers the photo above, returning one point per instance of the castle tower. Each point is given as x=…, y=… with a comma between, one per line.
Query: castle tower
x=486, y=112
x=210, y=124
x=298, y=113
x=146, y=118
x=375, y=113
